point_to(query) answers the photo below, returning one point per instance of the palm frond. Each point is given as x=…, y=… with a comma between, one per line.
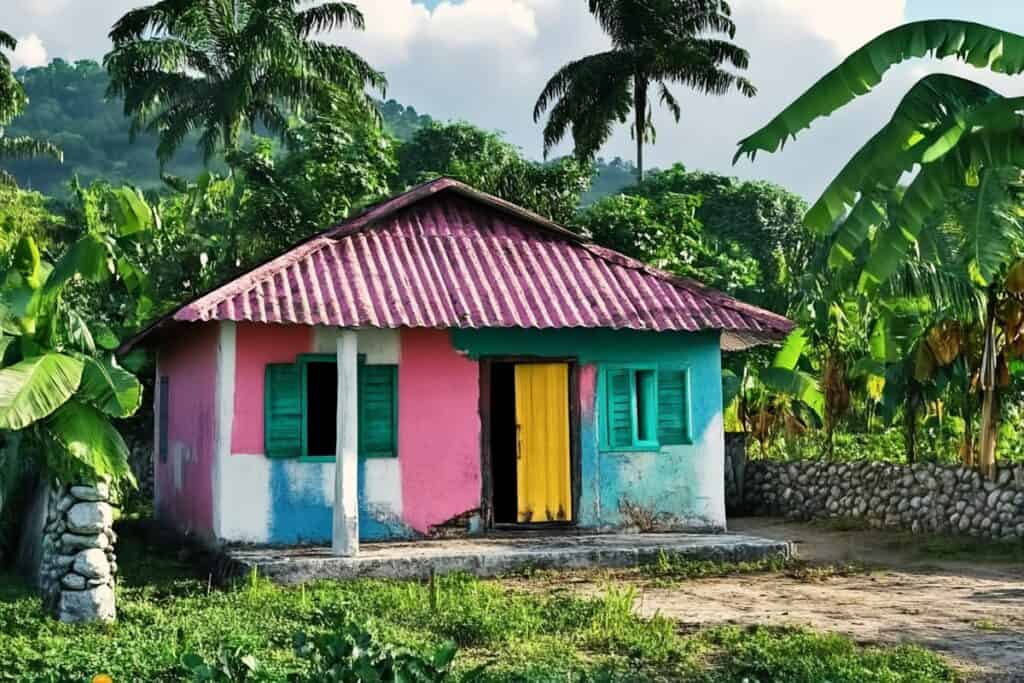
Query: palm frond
x=590, y=95
x=28, y=148
x=944, y=286
x=668, y=100
x=328, y=17
x=160, y=17
x=230, y=65
x=989, y=223
x=690, y=66
x=721, y=51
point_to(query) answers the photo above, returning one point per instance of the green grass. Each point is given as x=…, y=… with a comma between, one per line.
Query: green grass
x=669, y=569
x=166, y=610
x=968, y=548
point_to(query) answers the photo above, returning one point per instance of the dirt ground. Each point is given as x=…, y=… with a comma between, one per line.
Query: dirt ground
x=971, y=612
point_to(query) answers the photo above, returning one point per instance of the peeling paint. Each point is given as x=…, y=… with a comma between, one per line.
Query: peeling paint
x=458, y=526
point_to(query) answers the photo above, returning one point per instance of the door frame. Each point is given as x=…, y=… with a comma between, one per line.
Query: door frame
x=486, y=470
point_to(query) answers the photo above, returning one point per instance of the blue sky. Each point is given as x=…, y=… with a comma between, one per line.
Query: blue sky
x=485, y=61
x=1006, y=14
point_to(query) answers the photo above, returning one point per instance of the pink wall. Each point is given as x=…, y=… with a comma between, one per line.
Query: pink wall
x=257, y=345
x=185, y=480
x=438, y=429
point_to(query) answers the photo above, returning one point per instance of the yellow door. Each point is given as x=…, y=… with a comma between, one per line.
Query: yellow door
x=542, y=423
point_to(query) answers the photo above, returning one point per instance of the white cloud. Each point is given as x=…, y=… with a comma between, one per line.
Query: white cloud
x=29, y=52
x=846, y=25
x=45, y=8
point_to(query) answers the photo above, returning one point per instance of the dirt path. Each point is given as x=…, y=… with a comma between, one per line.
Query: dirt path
x=972, y=613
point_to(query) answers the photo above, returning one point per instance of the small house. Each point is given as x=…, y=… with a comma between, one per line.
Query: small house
x=446, y=362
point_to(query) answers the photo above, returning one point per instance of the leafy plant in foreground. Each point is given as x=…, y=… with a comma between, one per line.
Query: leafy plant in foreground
x=353, y=655
x=230, y=666
x=60, y=382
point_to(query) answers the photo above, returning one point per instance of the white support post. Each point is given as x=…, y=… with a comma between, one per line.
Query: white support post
x=345, y=539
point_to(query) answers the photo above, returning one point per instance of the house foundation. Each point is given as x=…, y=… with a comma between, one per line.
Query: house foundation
x=492, y=556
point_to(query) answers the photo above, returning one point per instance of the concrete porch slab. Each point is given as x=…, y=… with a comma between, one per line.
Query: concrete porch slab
x=489, y=556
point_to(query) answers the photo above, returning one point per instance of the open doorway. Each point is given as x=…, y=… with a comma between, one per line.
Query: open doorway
x=503, y=442
x=529, y=443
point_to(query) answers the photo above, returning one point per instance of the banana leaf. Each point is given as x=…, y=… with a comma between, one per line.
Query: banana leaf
x=783, y=376
x=976, y=44
x=87, y=436
x=36, y=387
x=130, y=212
x=112, y=389
x=924, y=122
x=927, y=195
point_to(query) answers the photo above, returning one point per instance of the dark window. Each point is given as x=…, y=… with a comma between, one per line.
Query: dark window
x=321, y=408
x=163, y=426
x=301, y=408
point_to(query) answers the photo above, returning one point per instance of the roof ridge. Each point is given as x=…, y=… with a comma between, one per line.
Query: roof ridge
x=713, y=309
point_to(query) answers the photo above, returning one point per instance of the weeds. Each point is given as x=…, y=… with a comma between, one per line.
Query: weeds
x=670, y=568
x=817, y=573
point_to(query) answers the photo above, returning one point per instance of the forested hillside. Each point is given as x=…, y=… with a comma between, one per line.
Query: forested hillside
x=69, y=107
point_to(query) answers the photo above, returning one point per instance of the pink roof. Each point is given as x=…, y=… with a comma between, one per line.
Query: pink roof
x=444, y=255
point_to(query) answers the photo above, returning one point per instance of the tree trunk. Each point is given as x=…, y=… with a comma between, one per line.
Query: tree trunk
x=967, y=448
x=640, y=113
x=989, y=425
x=989, y=432
x=910, y=425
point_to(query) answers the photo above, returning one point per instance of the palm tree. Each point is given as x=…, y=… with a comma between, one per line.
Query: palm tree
x=963, y=140
x=12, y=102
x=654, y=43
x=221, y=66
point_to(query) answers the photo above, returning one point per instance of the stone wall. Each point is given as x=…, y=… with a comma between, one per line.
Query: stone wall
x=78, y=566
x=919, y=498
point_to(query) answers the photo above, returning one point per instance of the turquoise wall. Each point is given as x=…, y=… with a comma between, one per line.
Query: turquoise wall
x=679, y=487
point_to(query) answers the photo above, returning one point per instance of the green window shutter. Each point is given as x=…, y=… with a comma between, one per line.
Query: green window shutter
x=619, y=387
x=282, y=413
x=673, y=412
x=378, y=413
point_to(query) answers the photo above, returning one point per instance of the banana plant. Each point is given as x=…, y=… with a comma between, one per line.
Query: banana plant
x=958, y=136
x=60, y=382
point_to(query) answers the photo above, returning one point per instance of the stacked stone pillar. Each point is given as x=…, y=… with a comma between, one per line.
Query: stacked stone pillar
x=78, y=563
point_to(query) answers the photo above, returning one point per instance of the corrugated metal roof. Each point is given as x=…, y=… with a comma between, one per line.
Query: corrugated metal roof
x=444, y=255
